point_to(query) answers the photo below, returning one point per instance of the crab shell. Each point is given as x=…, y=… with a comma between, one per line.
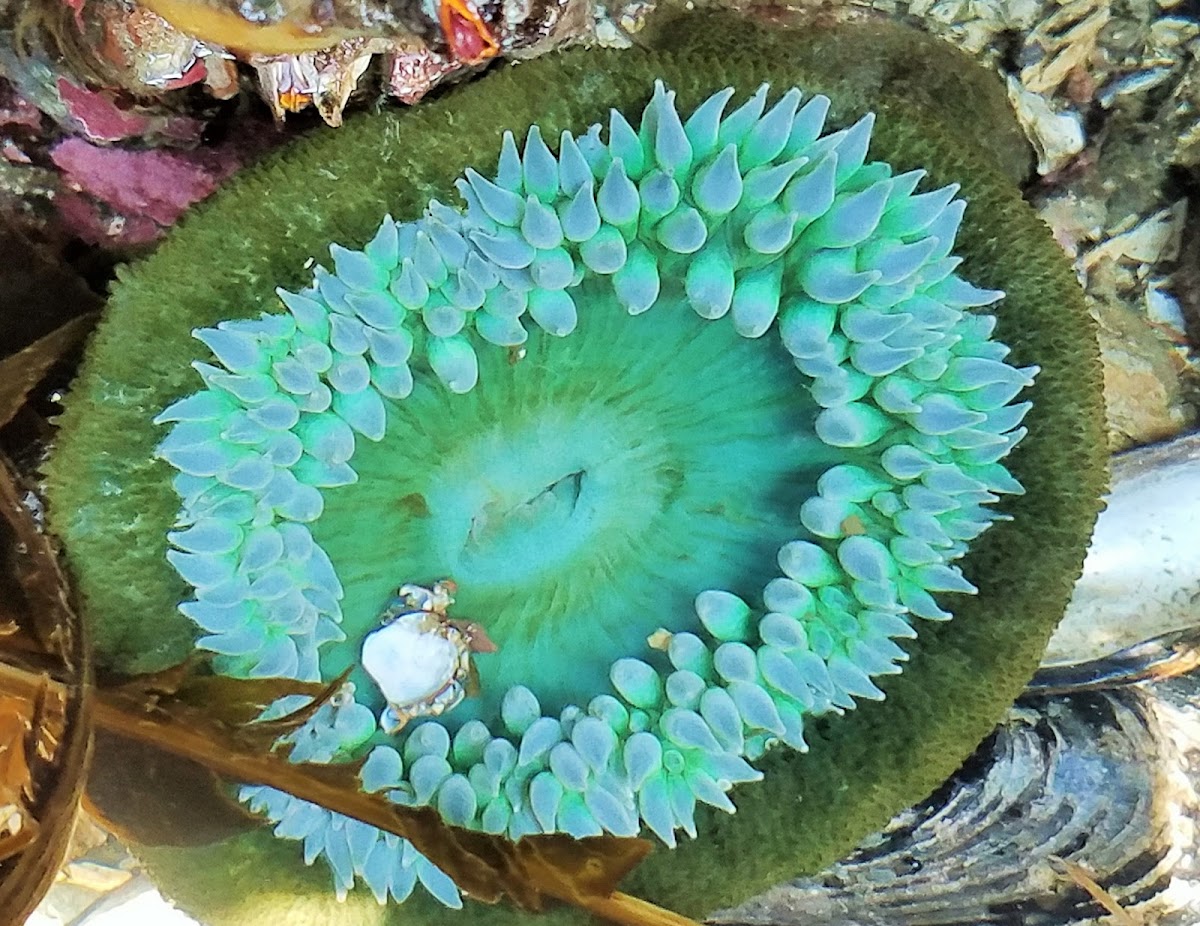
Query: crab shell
x=420, y=663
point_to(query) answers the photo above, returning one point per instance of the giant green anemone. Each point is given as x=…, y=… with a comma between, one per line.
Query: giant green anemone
x=695, y=398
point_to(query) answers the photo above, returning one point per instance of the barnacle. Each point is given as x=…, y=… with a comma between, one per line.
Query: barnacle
x=520, y=394
x=303, y=54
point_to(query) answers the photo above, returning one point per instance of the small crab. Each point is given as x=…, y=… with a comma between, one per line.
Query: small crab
x=421, y=658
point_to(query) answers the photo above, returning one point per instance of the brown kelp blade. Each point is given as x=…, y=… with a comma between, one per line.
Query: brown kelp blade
x=486, y=867
x=22, y=371
x=176, y=801
x=45, y=717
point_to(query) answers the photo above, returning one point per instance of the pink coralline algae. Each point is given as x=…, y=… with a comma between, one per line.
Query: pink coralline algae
x=101, y=119
x=120, y=196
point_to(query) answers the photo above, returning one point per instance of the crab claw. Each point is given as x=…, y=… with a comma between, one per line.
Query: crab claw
x=390, y=722
x=469, y=38
x=477, y=639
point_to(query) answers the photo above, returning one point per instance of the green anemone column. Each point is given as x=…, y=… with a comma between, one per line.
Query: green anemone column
x=680, y=376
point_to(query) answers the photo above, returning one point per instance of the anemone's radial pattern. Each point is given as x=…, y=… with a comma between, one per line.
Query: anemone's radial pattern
x=580, y=511
x=865, y=488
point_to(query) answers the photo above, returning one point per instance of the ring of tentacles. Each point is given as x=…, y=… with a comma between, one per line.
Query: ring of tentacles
x=519, y=393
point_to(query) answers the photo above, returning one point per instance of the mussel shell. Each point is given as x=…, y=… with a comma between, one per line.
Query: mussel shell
x=1098, y=764
x=1106, y=779
x=1142, y=574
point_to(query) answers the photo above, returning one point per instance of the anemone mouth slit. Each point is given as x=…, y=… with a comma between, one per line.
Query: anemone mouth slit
x=562, y=494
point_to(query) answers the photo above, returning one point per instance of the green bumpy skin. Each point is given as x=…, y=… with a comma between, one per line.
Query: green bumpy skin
x=865, y=765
